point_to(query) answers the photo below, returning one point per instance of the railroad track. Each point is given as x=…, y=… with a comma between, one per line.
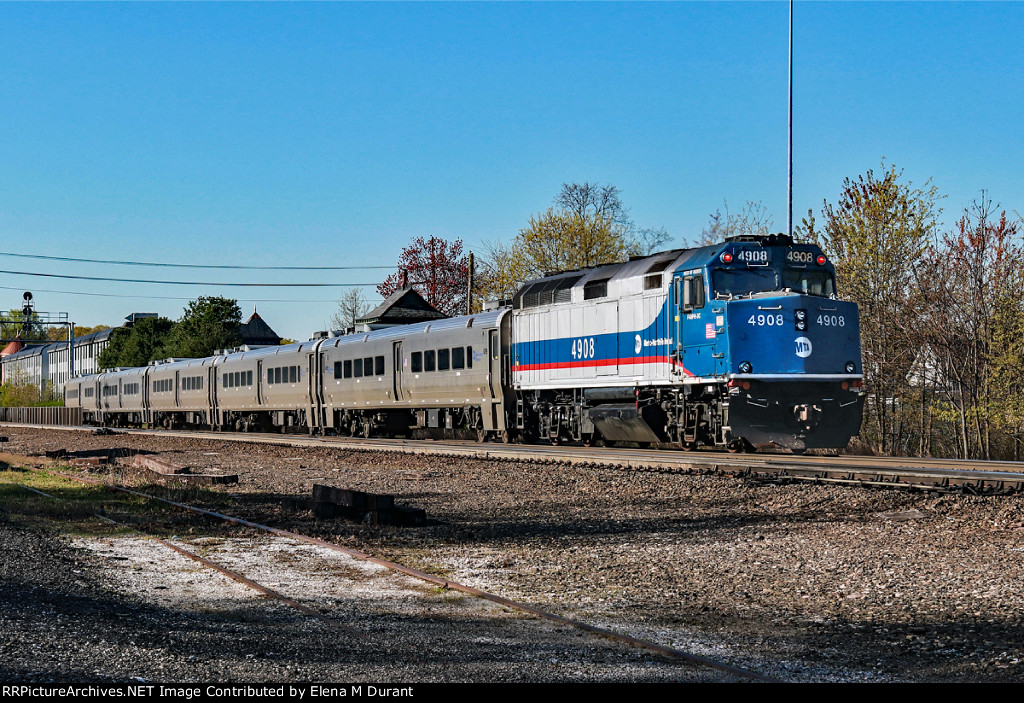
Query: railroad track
x=447, y=584
x=941, y=475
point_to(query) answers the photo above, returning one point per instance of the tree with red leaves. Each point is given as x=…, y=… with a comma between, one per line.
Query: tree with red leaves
x=437, y=269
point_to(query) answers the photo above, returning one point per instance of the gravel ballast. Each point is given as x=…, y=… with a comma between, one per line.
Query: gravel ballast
x=799, y=582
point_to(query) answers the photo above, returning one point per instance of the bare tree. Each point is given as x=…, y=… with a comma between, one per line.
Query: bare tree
x=352, y=306
x=650, y=240
x=754, y=218
x=592, y=202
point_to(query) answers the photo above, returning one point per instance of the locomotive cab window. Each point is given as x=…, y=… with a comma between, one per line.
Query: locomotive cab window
x=809, y=282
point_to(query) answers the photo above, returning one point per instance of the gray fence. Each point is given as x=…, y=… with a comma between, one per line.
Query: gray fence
x=42, y=416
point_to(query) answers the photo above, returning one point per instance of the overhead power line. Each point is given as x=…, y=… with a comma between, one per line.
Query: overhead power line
x=163, y=297
x=193, y=266
x=191, y=283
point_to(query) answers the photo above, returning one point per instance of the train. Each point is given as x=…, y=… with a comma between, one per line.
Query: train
x=740, y=345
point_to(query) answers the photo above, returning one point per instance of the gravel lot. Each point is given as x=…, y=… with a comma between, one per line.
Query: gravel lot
x=804, y=583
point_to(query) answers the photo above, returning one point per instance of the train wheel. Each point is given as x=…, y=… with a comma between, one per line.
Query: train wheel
x=738, y=445
x=504, y=437
x=368, y=430
x=689, y=446
x=481, y=435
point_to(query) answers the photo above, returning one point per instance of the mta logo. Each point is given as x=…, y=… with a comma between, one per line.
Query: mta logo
x=803, y=347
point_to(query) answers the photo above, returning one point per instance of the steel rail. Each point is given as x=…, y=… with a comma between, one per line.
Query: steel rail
x=922, y=473
x=233, y=575
x=670, y=652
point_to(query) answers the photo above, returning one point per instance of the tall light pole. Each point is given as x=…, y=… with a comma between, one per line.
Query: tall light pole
x=790, y=220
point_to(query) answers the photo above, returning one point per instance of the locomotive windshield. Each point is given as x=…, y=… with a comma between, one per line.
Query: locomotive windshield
x=740, y=282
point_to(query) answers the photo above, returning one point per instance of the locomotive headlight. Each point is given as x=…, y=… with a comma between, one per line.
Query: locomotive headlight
x=745, y=367
x=850, y=367
x=801, y=319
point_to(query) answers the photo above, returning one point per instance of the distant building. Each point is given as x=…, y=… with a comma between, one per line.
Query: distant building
x=403, y=307
x=256, y=333
x=41, y=361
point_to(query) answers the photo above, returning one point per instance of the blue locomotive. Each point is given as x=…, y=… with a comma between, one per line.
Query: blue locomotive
x=742, y=344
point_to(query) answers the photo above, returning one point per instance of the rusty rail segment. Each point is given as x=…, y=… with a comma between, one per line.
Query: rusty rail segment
x=889, y=472
x=448, y=584
x=233, y=575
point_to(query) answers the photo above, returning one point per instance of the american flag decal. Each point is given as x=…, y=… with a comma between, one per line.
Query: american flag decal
x=709, y=330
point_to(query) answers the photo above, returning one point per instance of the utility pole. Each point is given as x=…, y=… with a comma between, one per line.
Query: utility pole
x=790, y=219
x=469, y=286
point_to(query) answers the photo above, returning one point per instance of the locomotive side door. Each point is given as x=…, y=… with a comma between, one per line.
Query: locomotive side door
x=697, y=323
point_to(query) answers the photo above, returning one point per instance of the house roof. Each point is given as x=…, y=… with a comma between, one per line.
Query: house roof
x=256, y=331
x=404, y=306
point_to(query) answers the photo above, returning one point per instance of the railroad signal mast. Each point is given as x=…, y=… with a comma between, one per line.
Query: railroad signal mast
x=31, y=318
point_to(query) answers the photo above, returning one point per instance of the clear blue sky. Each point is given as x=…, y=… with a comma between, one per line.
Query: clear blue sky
x=331, y=134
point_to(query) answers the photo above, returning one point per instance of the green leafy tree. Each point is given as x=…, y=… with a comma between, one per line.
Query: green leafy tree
x=138, y=345
x=16, y=326
x=876, y=235
x=18, y=392
x=209, y=323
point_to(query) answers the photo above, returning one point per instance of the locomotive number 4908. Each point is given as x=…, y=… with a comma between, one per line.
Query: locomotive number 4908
x=762, y=320
x=583, y=348
x=832, y=320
